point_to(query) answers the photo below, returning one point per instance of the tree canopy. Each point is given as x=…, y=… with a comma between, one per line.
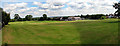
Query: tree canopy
x=17, y=17
x=44, y=16
x=117, y=6
x=5, y=17
x=28, y=17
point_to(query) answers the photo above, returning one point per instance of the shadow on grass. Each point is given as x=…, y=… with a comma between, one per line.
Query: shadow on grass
x=94, y=33
x=5, y=44
x=113, y=22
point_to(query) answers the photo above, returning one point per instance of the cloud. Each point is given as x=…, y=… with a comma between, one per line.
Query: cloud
x=92, y=6
x=41, y=6
x=57, y=4
x=57, y=1
x=45, y=6
x=37, y=3
x=14, y=6
x=49, y=5
x=22, y=0
x=61, y=7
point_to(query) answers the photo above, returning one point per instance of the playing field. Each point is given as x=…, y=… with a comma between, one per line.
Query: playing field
x=62, y=32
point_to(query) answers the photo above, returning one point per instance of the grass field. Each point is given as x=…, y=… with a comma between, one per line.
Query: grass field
x=62, y=32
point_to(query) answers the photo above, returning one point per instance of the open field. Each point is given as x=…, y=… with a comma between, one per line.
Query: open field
x=62, y=32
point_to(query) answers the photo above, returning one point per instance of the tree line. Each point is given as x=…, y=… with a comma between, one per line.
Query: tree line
x=45, y=18
x=29, y=18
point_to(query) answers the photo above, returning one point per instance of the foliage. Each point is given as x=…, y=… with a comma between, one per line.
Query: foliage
x=94, y=16
x=17, y=17
x=28, y=17
x=117, y=6
x=103, y=17
x=35, y=19
x=12, y=20
x=44, y=16
x=5, y=17
x=49, y=19
x=23, y=19
x=41, y=19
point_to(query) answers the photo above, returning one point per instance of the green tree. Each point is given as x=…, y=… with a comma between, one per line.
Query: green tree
x=103, y=17
x=28, y=17
x=81, y=16
x=49, y=19
x=44, y=16
x=41, y=19
x=117, y=6
x=0, y=18
x=17, y=17
x=5, y=17
x=88, y=16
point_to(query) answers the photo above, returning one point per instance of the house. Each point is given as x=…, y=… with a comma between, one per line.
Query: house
x=112, y=16
x=77, y=18
x=71, y=18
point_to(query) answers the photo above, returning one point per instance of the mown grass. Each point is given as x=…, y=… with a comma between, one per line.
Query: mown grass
x=62, y=32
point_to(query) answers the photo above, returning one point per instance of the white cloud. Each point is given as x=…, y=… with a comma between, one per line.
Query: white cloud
x=56, y=7
x=42, y=6
x=50, y=5
x=92, y=6
x=37, y=3
x=57, y=4
x=14, y=6
x=45, y=6
x=57, y=1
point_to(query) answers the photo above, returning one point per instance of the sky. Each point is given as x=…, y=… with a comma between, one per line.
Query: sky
x=57, y=7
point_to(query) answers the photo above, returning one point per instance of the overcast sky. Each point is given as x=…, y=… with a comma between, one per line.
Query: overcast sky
x=57, y=7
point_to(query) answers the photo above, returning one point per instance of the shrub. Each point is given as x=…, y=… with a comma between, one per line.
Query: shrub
x=103, y=17
x=12, y=20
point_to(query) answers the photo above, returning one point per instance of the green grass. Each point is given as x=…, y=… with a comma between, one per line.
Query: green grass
x=62, y=32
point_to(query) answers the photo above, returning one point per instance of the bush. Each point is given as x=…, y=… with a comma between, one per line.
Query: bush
x=103, y=17
x=28, y=17
x=49, y=19
x=41, y=19
x=5, y=17
x=12, y=20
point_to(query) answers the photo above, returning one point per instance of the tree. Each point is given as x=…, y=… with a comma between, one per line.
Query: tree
x=81, y=16
x=41, y=19
x=88, y=16
x=117, y=6
x=16, y=17
x=49, y=19
x=103, y=17
x=5, y=17
x=12, y=20
x=28, y=17
x=36, y=19
x=44, y=16
x=1, y=18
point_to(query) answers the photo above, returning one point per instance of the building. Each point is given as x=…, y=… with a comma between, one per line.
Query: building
x=71, y=18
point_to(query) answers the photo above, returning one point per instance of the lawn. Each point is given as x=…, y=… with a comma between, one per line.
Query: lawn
x=62, y=32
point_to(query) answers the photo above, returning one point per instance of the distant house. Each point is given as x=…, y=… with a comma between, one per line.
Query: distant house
x=112, y=16
x=70, y=18
x=77, y=18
